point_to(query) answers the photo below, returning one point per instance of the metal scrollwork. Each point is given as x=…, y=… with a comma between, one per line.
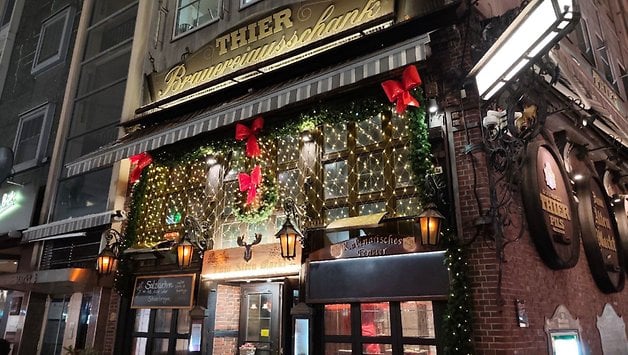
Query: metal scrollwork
x=198, y=232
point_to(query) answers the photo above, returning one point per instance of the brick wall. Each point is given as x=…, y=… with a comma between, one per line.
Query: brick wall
x=112, y=319
x=524, y=276
x=227, y=319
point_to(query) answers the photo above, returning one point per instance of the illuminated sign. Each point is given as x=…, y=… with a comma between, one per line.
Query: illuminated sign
x=9, y=200
x=278, y=33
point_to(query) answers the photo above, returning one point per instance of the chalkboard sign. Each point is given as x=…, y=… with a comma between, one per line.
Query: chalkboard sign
x=163, y=291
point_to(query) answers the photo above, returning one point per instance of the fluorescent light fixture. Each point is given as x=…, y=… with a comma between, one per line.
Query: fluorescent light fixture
x=539, y=26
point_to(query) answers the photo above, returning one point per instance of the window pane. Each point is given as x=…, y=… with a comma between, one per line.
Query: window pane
x=51, y=42
x=337, y=319
x=333, y=214
x=417, y=319
x=369, y=131
x=289, y=184
x=90, y=142
x=163, y=320
x=375, y=319
x=192, y=14
x=419, y=349
x=142, y=317
x=258, y=321
x=400, y=126
x=337, y=348
x=160, y=346
x=104, y=8
x=230, y=234
x=335, y=138
x=408, y=206
x=182, y=347
x=376, y=349
x=28, y=142
x=105, y=70
x=403, y=169
x=183, y=322
x=110, y=33
x=139, y=346
x=336, y=179
x=98, y=110
x=82, y=195
x=287, y=149
x=370, y=173
x=370, y=208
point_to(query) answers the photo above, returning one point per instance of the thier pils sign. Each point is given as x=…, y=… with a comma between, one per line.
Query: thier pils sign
x=550, y=210
x=257, y=42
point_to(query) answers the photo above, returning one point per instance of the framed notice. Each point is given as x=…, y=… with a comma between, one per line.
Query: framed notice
x=164, y=291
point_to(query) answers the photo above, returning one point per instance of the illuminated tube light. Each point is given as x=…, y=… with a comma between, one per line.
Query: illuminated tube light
x=236, y=274
x=538, y=27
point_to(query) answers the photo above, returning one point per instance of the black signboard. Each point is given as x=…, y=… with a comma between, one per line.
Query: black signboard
x=164, y=291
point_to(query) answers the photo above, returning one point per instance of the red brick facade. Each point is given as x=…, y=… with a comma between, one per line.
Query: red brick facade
x=227, y=318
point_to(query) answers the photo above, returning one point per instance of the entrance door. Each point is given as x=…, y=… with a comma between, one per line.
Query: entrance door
x=52, y=343
x=396, y=328
x=260, y=317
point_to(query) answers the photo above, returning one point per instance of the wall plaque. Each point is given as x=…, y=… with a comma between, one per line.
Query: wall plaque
x=620, y=209
x=370, y=245
x=600, y=236
x=164, y=291
x=550, y=211
x=285, y=31
x=612, y=332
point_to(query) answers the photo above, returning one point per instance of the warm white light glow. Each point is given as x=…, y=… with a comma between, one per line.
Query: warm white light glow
x=281, y=270
x=536, y=28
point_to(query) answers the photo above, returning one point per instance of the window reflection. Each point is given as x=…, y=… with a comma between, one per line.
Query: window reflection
x=338, y=319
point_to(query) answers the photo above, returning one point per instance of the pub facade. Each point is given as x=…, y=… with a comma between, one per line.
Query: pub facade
x=284, y=156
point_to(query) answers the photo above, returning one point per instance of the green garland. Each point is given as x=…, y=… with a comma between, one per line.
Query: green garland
x=420, y=146
x=266, y=208
x=457, y=323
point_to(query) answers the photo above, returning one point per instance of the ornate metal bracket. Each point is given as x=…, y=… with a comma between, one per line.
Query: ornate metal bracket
x=198, y=233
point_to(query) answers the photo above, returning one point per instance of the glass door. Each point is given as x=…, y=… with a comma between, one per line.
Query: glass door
x=52, y=343
x=260, y=317
x=161, y=332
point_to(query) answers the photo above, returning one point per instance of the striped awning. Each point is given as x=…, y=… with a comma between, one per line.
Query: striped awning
x=341, y=76
x=67, y=226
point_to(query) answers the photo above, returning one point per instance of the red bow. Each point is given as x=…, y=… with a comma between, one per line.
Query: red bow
x=400, y=91
x=141, y=161
x=250, y=134
x=250, y=183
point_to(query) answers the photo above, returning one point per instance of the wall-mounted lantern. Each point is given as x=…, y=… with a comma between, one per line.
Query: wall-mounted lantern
x=430, y=221
x=289, y=234
x=107, y=260
x=194, y=237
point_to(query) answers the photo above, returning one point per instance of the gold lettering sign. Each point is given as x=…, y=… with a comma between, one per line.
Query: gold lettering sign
x=280, y=32
x=605, y=90
x=558, y=211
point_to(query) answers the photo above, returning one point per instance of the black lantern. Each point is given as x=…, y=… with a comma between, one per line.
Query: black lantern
x=107, y=260
x=196, y=236
x=288, y=235
x=430, y=221
x=184, y=253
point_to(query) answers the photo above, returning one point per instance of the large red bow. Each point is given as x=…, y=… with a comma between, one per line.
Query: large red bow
x=141, y=161
x=399, y=92
x=250, y=183
x=250, y=134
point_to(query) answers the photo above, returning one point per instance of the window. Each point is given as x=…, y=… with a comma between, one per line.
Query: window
x=623, y=76
x=192, y=14
x=8, y=11
x=584, y=42
x=161, y=331
x=381, y=328
x=245, y=3
x=605, y=62
x=32, y=137
x=54, y=39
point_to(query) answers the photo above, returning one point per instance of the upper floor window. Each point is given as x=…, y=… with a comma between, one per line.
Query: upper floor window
x=623, y=76
x=245, y=3
x=192, y=14
x=54, y=39
x=32, y=138
x=584, y=41
x=605, y=62
x=7, y=13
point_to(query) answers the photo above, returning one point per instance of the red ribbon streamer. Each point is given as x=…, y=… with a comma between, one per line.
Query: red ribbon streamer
x=250, y=183
x=141, y=161
x=250, y=134
x=399, y=92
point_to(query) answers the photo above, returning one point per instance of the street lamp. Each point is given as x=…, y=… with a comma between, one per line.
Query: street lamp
x=540, y=25
x=107, y=260
x=289, y=234
x=430, y=221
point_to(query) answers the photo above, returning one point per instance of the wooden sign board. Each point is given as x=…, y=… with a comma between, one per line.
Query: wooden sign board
x=266, y=261
x=164, y=291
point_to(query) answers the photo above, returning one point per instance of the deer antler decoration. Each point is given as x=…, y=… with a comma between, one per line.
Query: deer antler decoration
x=248, y=253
